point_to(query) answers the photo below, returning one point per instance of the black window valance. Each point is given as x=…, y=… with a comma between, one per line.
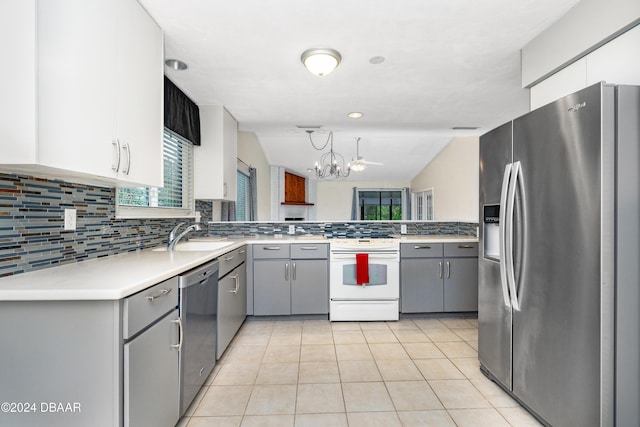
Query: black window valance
x=181, y=114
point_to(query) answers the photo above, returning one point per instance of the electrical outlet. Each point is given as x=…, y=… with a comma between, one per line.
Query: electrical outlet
x=69, y=219
x=292, y=229
x=403, y=228
x=198, y=216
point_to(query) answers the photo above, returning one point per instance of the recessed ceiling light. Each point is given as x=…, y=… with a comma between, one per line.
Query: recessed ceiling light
x=175, y=64
x=377, y=60
x=355, y=115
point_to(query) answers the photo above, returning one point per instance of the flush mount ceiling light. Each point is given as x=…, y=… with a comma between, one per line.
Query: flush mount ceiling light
x=175, y=64
x=355, y=115
x=321, y=61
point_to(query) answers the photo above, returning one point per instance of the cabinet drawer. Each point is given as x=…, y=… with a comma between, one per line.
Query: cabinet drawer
x=231, y=260
x=421, y=250
x=143, y=308
x=309, y=251
x=462, y=249
x=264, y=251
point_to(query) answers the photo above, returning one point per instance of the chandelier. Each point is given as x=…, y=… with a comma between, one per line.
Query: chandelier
x=331, y=165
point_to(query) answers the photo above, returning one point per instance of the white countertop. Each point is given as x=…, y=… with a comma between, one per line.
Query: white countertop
x=118, y=276
x=108, y=278
x=434, y=239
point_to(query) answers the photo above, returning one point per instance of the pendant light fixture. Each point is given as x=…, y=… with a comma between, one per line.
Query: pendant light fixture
x=332, y=164
x=321, y=61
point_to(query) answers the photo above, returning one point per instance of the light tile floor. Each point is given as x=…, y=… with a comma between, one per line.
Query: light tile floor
x=308, y=373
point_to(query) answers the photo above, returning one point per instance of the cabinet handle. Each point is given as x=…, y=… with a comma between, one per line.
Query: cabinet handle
x=422, y=247
x=242, y=251
x=115, y=163
x=127, y=151
x=229, y=258
x=271, y=248
x=162, y=293
x=236, y=281
x=466, y=246
x=286, y=271
x=294, y=270
x=181, y=335
x=440, y=269
x=448, y=269
x=224, y=189
x=309, y=248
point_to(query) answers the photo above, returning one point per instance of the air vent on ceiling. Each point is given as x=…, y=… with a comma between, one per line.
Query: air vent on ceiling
x=308, y=126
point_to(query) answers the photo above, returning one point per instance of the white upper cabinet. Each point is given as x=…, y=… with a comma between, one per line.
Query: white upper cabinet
x=215, y=161
x=88, y=102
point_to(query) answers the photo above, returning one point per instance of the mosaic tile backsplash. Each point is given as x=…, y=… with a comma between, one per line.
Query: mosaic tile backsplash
x=32, y=234
x=333, y=230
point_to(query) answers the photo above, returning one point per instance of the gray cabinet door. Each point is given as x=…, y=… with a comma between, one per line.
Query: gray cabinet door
x=232, y=306
x=151, y=390
x=461, y=284
x=271, y=289
x=309, y=287
x=421, y=285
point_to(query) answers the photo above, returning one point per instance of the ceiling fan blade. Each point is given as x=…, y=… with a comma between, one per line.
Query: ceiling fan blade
x=366, y=162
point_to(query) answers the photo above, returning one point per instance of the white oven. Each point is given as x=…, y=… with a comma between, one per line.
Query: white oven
x=378, y=297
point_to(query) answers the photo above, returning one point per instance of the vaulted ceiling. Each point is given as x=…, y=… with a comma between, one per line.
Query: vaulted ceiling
x=453, y=63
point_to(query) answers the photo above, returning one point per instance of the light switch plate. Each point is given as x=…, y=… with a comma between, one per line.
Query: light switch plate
x=69, y=219
x=403, y=228
x=292, y=229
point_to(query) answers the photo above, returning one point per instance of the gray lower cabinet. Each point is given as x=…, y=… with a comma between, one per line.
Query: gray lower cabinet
x=99, y=363
x=151, y=383
x=271, y=287
x=439, y=277
x=232, y=297
x=309, y=286
x=290, y=279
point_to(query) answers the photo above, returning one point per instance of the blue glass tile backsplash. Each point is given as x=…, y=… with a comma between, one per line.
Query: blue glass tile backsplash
x=32, y=234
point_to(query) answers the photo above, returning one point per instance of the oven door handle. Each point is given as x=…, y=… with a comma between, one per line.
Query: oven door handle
x=371, y=257
x=371, y=254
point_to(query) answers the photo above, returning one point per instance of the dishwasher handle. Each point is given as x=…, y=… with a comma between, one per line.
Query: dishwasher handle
x=178, y=346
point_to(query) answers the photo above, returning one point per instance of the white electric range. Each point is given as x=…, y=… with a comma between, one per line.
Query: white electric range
x=376, y=300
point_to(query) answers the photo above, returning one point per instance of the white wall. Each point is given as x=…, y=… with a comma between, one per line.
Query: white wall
x=453, y=175
x=250, y=152
x=334, y=197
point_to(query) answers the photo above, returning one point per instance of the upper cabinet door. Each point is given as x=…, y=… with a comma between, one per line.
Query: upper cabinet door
x=77, y=87
x=215, y=161
x=88, y=105
x=140, y=101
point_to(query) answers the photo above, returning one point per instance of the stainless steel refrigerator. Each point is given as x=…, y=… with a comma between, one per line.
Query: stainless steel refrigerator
x=558, y=273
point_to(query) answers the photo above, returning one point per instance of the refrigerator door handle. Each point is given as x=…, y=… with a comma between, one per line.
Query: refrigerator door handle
x=503, y=233
x=511, y=197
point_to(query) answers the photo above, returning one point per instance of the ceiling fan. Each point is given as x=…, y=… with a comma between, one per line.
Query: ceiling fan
x=359, y=163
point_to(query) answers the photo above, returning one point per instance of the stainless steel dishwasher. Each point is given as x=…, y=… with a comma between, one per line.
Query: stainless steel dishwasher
x=198, y=311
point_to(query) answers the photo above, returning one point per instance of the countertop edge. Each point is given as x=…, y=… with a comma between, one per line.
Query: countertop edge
x=140, y=270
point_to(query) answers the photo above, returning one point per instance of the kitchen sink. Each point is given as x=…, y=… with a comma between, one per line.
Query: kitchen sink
x=197, y=246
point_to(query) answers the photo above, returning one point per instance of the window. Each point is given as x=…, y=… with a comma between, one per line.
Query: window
x=423, y=205
x=176, y=197
x=243, y=200
x=382, y=205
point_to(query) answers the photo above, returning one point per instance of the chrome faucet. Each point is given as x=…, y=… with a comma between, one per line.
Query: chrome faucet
x=173, y=239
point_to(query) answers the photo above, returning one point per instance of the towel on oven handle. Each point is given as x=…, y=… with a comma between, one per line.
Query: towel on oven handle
x=362, y=269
